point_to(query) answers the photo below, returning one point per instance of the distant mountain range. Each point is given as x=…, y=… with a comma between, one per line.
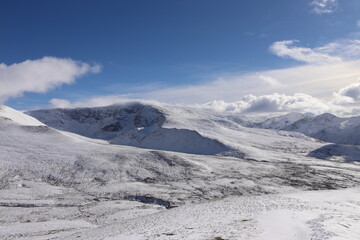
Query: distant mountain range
x=325, y=127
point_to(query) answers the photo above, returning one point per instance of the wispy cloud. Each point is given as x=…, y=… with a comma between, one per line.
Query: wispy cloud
x=324, y=6
x=308, y=55
x=333, y=52
x=346, y=49
x=40, y=75
x=358, y=23
x=271, y=81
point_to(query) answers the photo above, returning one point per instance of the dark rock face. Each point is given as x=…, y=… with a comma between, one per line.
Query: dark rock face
x=114, y=127
x=102, y=122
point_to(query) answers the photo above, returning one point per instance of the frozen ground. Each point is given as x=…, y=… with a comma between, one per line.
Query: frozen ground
x=60, y=185
x=302, y=215
x=316, y=215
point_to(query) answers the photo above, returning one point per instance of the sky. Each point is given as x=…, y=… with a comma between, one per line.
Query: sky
x=233, y=56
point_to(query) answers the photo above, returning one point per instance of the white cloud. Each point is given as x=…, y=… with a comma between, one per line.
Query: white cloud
x=270, y=103
x=358, y=23
x=308, y=55
x=324, y=6
x=348, y=95
x=333, y=52
x=40, y=75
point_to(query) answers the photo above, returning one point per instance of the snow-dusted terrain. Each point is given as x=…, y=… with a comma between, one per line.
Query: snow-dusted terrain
x=197, y=175
x=325, y=127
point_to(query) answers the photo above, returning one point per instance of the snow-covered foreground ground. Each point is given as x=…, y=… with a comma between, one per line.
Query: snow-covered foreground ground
x=302, y=215
x=333, y=214
x=60, y=185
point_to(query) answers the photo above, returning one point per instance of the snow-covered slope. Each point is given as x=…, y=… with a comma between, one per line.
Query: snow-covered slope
x=9, y=114
x=60, y=185
x=325, y=127
x=281, y=122
x=301, y=216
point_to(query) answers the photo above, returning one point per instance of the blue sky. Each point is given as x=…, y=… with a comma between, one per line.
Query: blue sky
x=164, y=50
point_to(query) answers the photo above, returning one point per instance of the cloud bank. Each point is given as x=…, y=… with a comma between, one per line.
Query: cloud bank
x=40, y=75
x=298, y=102
x=344, y=103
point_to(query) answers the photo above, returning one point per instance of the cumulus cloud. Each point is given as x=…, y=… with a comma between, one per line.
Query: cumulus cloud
x=308, y=55
x=40, y=75
x=270, y=103
x=324, y=6
x=348, y=95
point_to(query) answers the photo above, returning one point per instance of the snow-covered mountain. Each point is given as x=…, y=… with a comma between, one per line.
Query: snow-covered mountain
x=325, y=127
x=281, y=122
x=59, y=184
x=196, y=131
x=134, y=125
